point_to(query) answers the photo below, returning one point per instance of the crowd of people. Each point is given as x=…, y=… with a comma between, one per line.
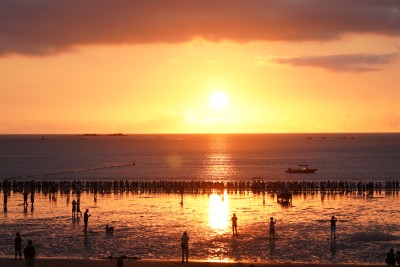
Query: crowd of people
x=29, y=251
x=258, y=185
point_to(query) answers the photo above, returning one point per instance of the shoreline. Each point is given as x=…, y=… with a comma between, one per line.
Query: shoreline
x=59, y=262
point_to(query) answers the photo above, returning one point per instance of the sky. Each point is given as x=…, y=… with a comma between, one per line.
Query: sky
x=155, y=66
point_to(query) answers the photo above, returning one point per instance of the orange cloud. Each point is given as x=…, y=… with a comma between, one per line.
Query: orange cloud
x=46, y=26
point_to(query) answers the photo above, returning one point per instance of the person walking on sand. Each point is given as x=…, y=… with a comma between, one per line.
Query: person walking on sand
x=29, y=254
x=333, y=227
x=234, y=225
x=272, y=227
x=185, y=246
x=391, y=258
x=86, y=219
x=18, y=246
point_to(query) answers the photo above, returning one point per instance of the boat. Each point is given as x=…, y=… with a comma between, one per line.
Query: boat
x=303, y=168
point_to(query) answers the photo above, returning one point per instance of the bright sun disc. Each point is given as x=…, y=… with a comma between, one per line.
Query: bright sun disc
x=218, y=100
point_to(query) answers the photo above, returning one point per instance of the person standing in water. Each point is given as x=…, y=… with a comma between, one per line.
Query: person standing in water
x=18, y=246
x=5, y=197
x=120, y=263
x=333, y=227
x=185, y=246
x=73, y=208
x=86, y=216
x=234, y=225
x=391, y=258
x=32, y=197
x=272, y=227
x=29, y=254
x=25, y=198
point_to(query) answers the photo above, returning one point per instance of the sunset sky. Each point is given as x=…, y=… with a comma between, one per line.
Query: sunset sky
x=152, y=66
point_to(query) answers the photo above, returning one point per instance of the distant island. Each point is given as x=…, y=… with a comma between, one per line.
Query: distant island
x=93, y=134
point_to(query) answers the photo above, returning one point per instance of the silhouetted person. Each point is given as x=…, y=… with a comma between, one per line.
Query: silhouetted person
x=86, y=216
x=185, y=246
x=120, y=263
x=73, y=208
x=32, y=198
x=333, y=227
x=18, y=246
x=29, y=254
x=391, y=258
x=181, y=191
x=272, y=227
x=5, y=198
x=234, y=225
x=25, y=198
x=109, y=230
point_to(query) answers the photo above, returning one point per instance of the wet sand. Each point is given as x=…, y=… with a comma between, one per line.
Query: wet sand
x=133, y=263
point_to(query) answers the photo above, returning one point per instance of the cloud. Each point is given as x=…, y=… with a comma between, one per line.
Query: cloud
x=337, y=63
x=43, y=27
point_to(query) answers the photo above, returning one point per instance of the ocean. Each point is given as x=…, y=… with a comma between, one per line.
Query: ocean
x=200, y=157
x=149, y=225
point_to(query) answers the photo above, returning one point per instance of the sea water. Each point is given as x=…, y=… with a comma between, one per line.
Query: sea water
x=149, y=226
x=200, y=157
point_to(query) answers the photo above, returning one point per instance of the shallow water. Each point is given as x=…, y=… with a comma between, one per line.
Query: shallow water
x=149, y=226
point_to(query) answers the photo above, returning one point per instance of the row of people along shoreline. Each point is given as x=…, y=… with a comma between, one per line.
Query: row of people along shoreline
x=165, y=186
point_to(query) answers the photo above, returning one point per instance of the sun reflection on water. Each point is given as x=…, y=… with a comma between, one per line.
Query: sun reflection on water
x=219, y=162
x=218, y=210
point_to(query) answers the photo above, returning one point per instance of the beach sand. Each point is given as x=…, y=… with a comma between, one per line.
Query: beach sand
x=139, y=263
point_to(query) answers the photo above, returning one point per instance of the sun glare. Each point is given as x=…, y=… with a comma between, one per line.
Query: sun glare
x=218, y=100
x=218, y=212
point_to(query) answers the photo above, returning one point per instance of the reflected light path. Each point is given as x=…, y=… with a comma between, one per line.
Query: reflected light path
x=218, y=212
x=219, y=162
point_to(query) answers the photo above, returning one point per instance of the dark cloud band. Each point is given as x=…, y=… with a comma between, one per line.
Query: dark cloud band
x=46, y=26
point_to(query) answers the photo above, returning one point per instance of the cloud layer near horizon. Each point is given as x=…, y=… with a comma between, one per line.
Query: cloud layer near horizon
x=339, y=63
x=46, y=26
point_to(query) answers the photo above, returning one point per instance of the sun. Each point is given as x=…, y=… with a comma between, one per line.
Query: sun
x=219, y=100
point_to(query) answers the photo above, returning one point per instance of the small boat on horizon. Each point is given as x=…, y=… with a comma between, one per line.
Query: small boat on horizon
x=303, y=169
